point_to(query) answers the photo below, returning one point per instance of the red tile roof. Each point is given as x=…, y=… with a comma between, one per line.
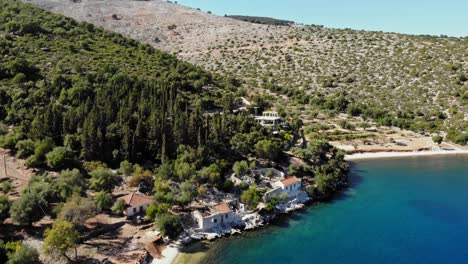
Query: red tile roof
x=137, y=199
x=289, y=181
x=223, y=208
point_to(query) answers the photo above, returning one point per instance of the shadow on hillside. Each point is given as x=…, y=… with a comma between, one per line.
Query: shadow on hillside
x=104, y=231
x=12, y=232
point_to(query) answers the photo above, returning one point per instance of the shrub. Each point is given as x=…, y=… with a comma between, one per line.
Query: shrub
x=240, y=168
x=268, y=149
x=437, y=139
x=77, y=210
x=27, y=209
x=103, y=200
x=102, y=180
x=169, y=225
x=251, y=197
x=70, y=182
x=157, y=209
x=10, y=139
x=60, y=158
x=24, y=148
x=60, y=240
x=5, y=187
x=25, y=254
x=119, y=207
x=126, y=168
x=40, y=150
x=4, y=208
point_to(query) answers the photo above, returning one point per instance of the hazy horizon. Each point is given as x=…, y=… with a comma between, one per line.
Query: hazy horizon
x=417, y=17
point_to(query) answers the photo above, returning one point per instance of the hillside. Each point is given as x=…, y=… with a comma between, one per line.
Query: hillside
x=103, y=96
x=262, y=20
x=413, y=82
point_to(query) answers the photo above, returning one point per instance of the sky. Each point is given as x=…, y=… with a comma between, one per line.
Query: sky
x=434, y=17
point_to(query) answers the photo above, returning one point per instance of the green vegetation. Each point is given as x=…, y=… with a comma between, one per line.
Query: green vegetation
x=25, y=254
x=437, y=139
x=169, y=225
x=251, y=197
x=119, y=207
x=60, y=158
x=274, y=201
x=126, y=168
x=326, y=164
x=96, y=95
x=77, y=209
x=240, y=168
x=18, y=253
x=5, y=187
x=70, y=182
x=102, y=179
x=103, y=201
x=27, y=209
x=4, y=208
x=60, y=240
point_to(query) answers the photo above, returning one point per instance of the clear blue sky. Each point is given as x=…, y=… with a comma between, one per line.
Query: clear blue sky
x=449, y=17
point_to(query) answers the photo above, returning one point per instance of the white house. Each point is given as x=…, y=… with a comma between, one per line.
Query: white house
x=269, y=119
x=136, y=203
x=291, y=186
x=219, y=216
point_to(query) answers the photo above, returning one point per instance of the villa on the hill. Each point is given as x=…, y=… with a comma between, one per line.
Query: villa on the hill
x=269, y=119
x=136, y=203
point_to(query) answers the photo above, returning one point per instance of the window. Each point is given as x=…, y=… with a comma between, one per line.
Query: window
x=134, y=209
x=215, y=220
x=226, y=216
x=141, y=208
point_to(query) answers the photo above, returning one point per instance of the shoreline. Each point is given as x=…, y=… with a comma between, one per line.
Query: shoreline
x=380, y=155
x=177, y=256
x=174, y=255
x=168, y=255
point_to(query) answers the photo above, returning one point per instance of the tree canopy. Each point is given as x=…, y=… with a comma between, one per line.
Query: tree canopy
x=60, y=240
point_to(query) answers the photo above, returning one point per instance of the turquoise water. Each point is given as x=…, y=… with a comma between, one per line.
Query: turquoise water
x=411, y=210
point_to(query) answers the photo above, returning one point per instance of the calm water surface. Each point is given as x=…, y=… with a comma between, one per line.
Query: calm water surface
x=411, y=210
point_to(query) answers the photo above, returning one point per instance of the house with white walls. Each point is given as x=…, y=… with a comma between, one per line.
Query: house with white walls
x=269, y=119
x=290, y=186
x=220, y=216
x=136, y=203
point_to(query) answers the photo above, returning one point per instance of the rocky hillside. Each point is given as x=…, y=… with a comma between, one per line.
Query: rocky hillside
x=416, y=82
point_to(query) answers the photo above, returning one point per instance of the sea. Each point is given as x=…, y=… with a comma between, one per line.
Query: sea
x=398, y=210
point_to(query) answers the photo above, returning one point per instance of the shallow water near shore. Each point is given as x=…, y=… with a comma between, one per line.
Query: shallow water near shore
x=408, y=210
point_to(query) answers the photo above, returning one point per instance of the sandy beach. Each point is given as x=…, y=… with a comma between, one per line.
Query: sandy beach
x=377, y=155
x=169, y=254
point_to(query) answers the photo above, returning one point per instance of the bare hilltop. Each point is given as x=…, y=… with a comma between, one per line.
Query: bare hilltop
x=417, y=83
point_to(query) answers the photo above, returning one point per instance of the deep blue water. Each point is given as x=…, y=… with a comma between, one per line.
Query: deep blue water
x=411, y=210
